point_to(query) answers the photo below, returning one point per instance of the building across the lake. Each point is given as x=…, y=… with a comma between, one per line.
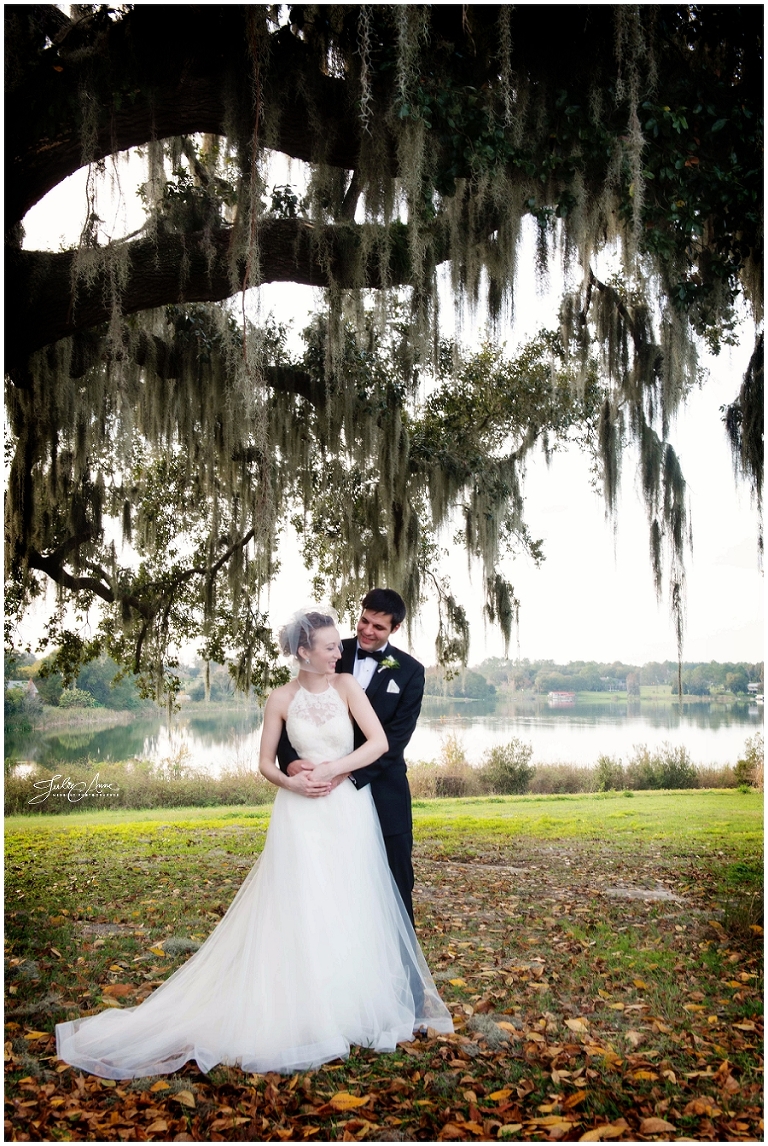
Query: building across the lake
x=560, y=699
x=27, y=686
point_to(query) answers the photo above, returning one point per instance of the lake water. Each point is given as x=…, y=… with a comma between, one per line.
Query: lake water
x=212, y=740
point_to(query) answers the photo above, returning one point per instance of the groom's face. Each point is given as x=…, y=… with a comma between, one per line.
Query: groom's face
x=374, y=630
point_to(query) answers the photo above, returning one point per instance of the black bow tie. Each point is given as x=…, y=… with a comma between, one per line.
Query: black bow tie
x=378, y=654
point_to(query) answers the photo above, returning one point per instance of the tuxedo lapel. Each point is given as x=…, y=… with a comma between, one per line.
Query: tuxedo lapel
x=378, y=679
x=348, y=654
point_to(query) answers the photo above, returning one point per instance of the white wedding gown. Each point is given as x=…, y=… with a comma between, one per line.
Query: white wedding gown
x=315, y=953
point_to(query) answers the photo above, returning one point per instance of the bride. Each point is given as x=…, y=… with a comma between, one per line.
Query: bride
x=316, y=951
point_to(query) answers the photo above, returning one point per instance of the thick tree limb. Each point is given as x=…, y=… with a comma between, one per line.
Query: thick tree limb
x=41, y=308
x=76, y=584
x=156, y=73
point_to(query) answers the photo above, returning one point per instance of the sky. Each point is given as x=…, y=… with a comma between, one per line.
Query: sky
x=593, y=597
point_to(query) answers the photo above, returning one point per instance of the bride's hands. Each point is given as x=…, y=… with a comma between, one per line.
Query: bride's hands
x=325, y=773
x=307, y=783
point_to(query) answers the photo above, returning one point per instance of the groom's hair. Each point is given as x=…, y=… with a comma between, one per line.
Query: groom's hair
x=386, y=601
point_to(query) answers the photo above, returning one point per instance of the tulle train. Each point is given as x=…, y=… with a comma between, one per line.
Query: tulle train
x=315, y=953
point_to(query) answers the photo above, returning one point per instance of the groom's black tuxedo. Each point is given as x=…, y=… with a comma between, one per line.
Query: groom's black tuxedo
x=395, y=695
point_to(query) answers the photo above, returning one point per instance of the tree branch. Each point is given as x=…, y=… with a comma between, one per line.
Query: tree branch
x=148, y=609
x=150, y=76
x=41, y=310
x=56, y=571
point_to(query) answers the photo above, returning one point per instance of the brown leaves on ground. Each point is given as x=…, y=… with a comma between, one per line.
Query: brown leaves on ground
x=579, y=1017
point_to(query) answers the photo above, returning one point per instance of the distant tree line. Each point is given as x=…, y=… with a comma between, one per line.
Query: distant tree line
x=543, y=676
x=469, y=685
x=97, y=684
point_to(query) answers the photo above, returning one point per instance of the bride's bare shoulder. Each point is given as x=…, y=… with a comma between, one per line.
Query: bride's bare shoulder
x=344, y=683
x=279, y=699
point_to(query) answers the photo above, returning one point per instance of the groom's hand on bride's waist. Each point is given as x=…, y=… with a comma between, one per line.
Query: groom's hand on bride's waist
x=297, y=766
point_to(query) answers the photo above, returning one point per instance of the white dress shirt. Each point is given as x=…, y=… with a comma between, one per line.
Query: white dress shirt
x=363, y=670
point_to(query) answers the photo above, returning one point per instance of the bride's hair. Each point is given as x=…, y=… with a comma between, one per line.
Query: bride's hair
x=299, y=632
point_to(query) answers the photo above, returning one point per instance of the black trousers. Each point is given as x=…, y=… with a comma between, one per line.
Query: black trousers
x=399, y=850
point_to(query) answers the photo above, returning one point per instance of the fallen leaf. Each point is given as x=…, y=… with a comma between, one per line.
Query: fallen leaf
x=606, y=1131
x=702, y=1106
x=550, y=1120
x=500, y=1095
x=185, y=1097
x=451, y=1133
x=159, y=1126
x=458, y=982
x=579, y=1025
x=343, y=1100
x=573, y=1100
x=647, y=1075
x=118, y=990
x=641, y=986
x=656, y=1126
x=747, y=1025
x=159, y=1086
x=157, y=951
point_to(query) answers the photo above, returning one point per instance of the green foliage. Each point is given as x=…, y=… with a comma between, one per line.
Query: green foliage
x=507, y=769
x=467, y=684
x=609, y=774
x=699, y=678
x=668, y=767
x=76, y=698
x=109, y=685
x=19, y=710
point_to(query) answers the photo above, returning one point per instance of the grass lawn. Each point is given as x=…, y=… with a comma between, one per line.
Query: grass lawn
x=601, y=955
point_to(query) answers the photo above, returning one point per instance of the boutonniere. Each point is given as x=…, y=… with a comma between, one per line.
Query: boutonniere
x=388, y=663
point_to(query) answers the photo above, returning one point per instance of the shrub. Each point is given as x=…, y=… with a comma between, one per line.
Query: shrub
x=558, y=779
x=609, y=774
x=640, y=772
x=451, y=776
x=749, y=770
x=76, y=698
x=507, y=769
x=668, y=768
x=20, y=710
x=675, y=769
x=716, y=776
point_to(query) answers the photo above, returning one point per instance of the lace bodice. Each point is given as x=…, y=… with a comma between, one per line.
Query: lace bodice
x=319, y=726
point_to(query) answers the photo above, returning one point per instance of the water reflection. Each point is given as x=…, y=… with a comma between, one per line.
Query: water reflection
x=215, y=740
x=712, y=733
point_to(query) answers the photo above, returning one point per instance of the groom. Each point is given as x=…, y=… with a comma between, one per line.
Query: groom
x=394, y=684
